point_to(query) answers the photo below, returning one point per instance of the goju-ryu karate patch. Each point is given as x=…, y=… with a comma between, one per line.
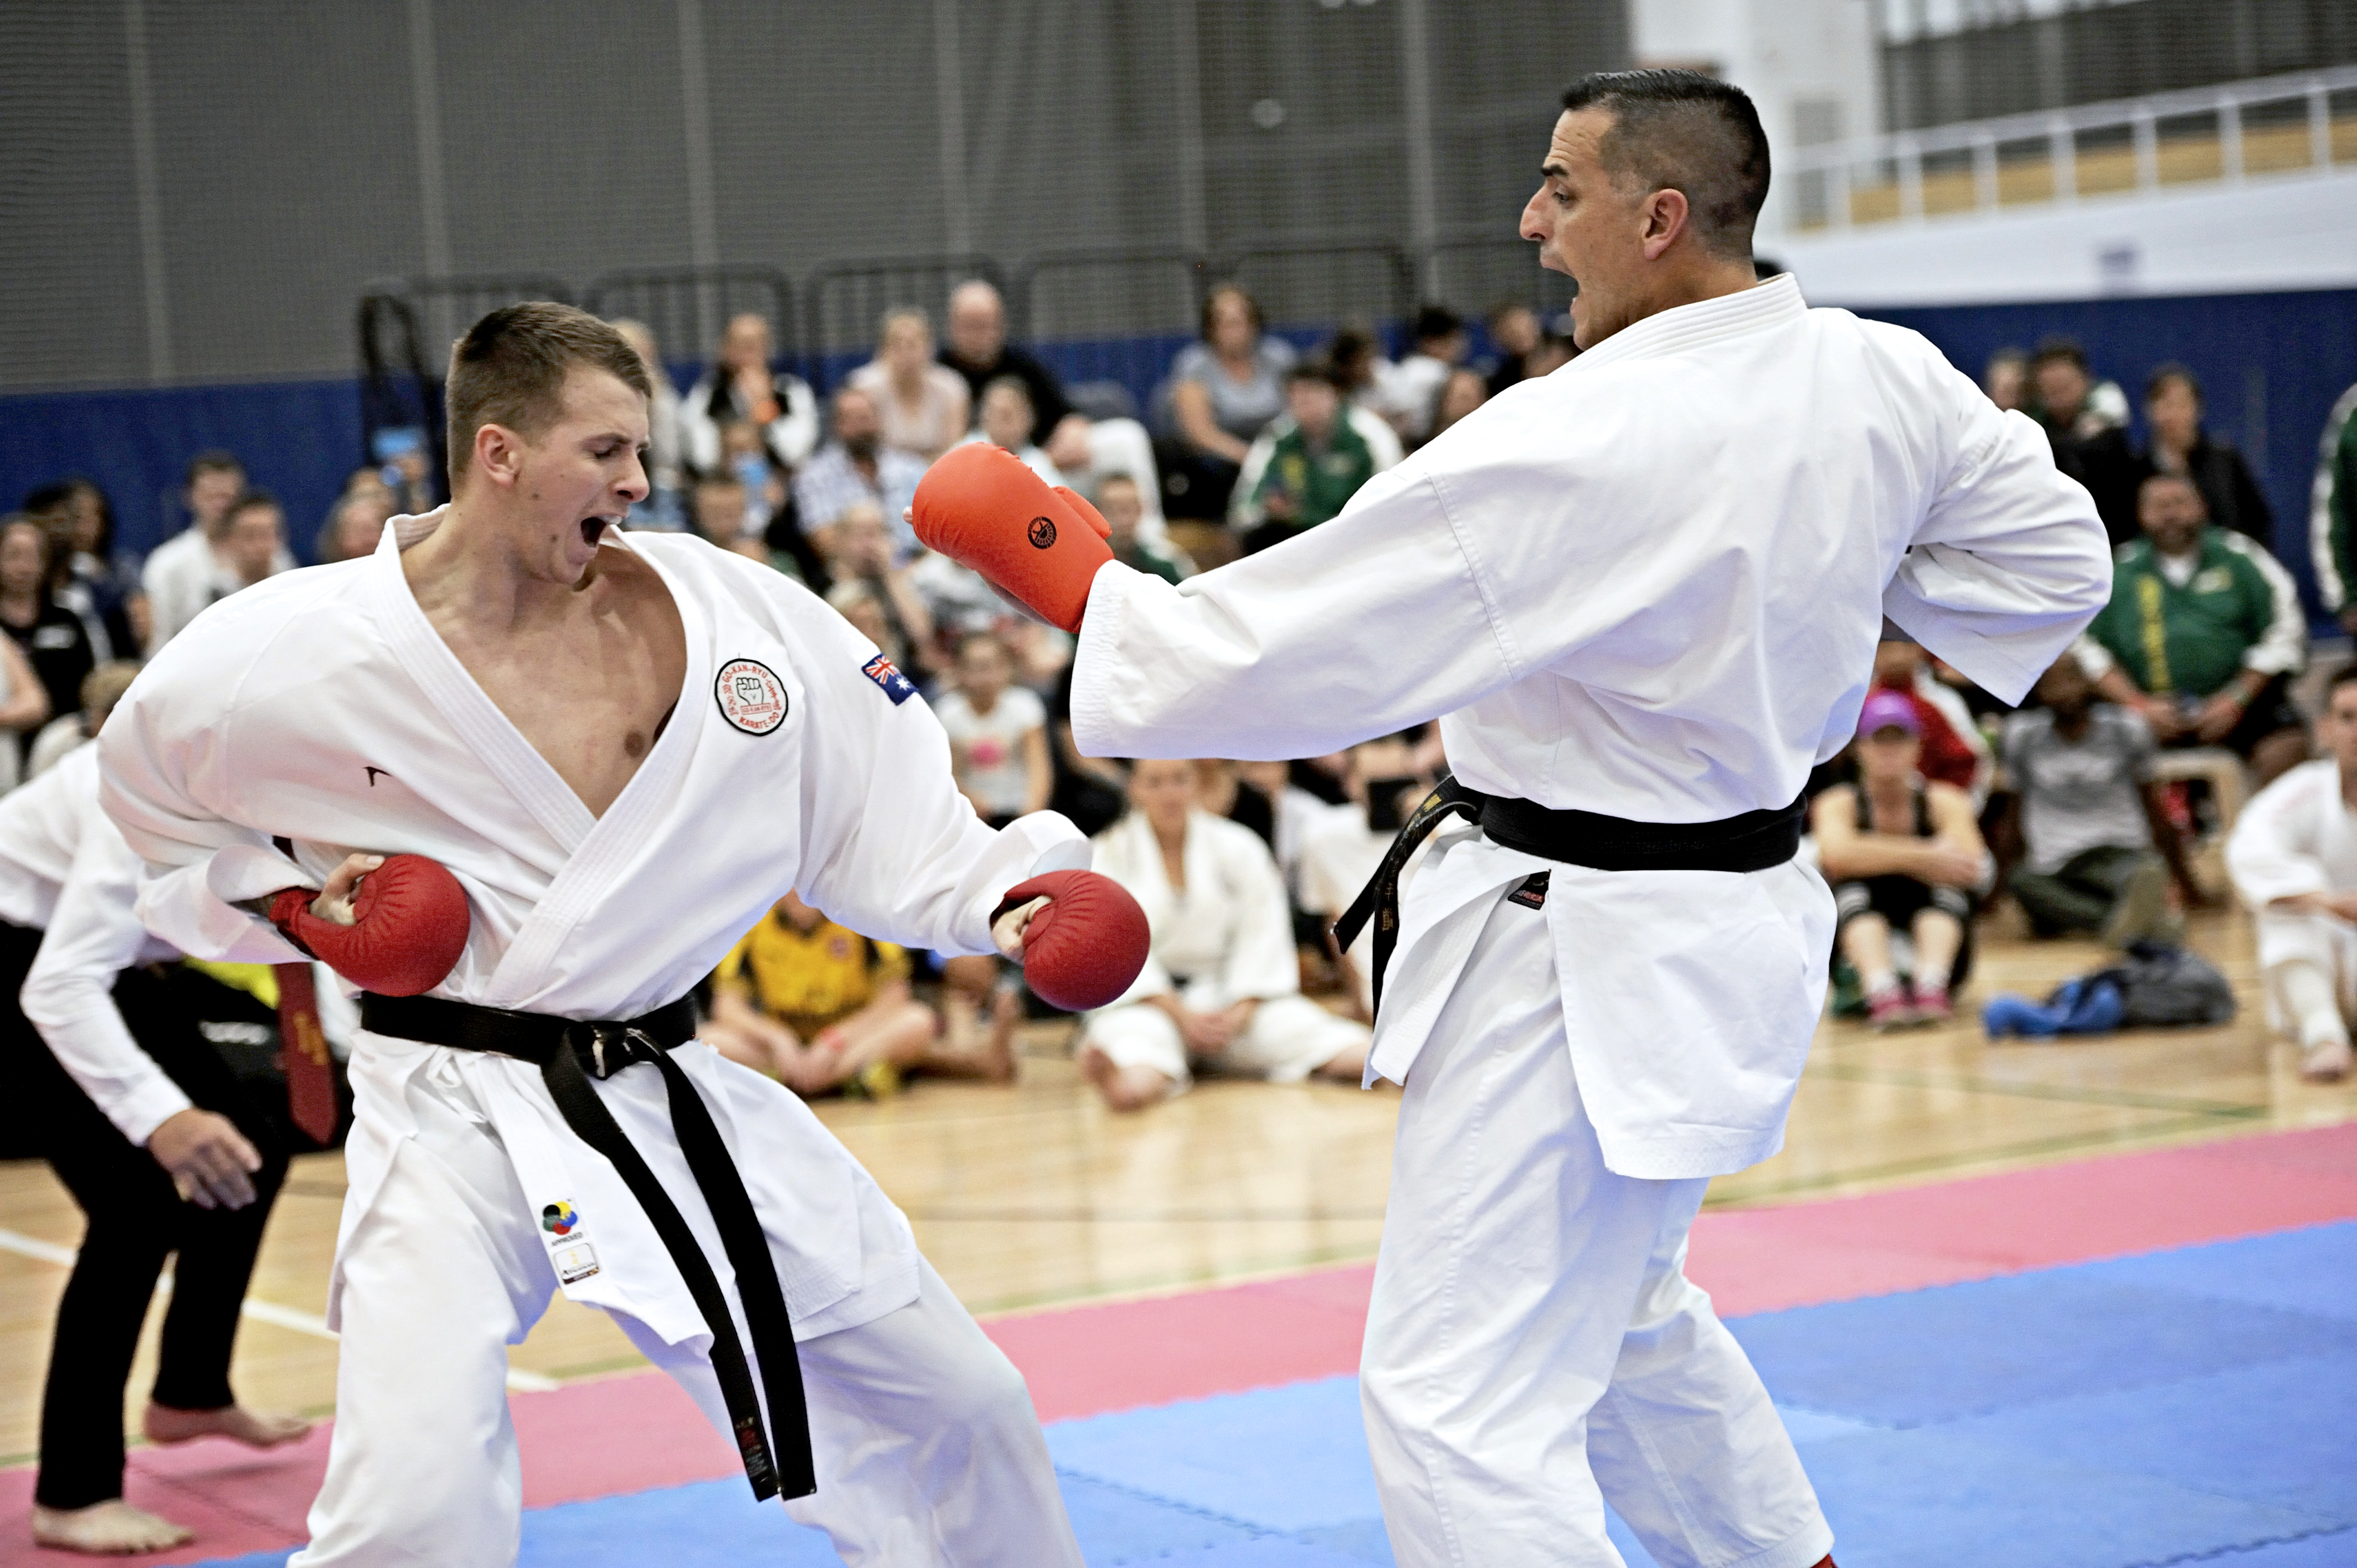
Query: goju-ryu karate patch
x=887, y=674
x=751, y=696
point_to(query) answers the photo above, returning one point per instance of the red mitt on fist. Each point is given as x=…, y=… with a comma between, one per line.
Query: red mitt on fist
x=1085, y=947
x=409, y=927
x=982, y=508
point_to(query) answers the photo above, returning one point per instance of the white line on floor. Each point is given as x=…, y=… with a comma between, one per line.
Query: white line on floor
x=261, y=1311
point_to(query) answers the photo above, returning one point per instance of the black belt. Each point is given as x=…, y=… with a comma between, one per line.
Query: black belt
x=566, y=1049
x=1752, y=842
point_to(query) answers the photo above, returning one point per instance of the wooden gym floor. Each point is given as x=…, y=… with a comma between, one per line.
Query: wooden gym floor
x=1036, y=1195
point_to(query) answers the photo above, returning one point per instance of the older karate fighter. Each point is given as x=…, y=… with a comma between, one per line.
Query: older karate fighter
x=1642, y=595
x=626, y=747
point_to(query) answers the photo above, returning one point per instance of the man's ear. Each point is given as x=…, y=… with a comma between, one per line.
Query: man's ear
x=1665, y=220
x=498, y=452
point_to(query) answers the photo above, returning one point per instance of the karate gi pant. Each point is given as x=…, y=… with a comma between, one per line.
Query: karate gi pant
x=927, y=1450
x=2320, y=939
x=1533, y=1348
x=1289, y=1037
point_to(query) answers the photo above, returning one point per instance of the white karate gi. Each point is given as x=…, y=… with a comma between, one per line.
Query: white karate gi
x=1227, y=937
x=1649, y=584
x=2297, y=835
x=322, y=706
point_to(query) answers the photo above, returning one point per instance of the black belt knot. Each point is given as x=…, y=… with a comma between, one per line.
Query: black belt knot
x=1754, y=840
x=569, y=1052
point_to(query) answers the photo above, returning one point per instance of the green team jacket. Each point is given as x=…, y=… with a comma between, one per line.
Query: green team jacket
x=2189, y=640
x=1319, y=482
x=2332, y=507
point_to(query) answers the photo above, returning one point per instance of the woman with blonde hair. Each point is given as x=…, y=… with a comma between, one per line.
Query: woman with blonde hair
x=925, y=405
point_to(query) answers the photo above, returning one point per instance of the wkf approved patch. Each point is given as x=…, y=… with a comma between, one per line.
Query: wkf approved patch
x=751, y=696
x=568, y=1242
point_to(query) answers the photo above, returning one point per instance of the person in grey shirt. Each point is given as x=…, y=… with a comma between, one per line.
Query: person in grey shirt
x=2101, y=851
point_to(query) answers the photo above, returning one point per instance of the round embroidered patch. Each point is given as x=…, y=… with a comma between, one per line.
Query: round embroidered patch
x=558, y=1218
x=1042, y=532
x=751, y=696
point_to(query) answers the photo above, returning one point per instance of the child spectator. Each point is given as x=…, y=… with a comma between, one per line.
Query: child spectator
x=1123, y=506
x=2091, y=817
x=819, y=1006
x=1317, y=465
x=1904, y=856
x=998, y=733
x=1347, y=844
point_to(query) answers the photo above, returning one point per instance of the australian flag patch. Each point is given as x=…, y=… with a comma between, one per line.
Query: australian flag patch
x=887, y=674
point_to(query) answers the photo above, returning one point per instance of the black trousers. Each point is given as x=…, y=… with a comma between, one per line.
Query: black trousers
x=219, y=1046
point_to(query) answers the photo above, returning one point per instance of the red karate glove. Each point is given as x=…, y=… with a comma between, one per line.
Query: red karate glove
x=1083, y=949
x=982, y=508
x=409, y=926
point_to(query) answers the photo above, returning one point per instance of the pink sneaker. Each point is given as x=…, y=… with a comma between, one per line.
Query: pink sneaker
x=1931, y=1005
x=1887, y=1010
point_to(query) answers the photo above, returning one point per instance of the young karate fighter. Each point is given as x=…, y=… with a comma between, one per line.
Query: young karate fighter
x=626, y=747
x=1643, y=594
x=150, y=1093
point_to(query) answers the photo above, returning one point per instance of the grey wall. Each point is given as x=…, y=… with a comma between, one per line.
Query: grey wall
x=196, y=191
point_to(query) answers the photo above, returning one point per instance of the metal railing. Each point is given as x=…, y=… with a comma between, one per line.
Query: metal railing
x=2279, y=125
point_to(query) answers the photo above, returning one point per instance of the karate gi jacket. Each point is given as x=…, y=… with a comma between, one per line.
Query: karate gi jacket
x=2297, y=836
x=1229, y=937
x=323, y=707
x=1649, y=584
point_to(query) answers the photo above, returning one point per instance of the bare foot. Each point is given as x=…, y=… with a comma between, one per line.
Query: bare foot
x=255, y=1429
x=1123, y=1087
x=2327, y=1062
x=110, y=1529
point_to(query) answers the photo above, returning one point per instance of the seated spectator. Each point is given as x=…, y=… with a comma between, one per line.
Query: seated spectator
x=1461, y=395
x=1359, y=367
x=741, y=386
x=1091, y=792
x=1364, y=427
x=1412, y=392
x=2202, y=635
x=1221, y=990
x=858, y=604
x=666, y=455
x=1904, y=854
x=1007, y=420
x=1515, y=333
x=1556, y=350
x=1953, y=750
x=2087, y=426
x=100, y=690
x=97, y=588
x=190, y=570
x=925, y=405
x=978, y=351
x=1316, y=463
x=2100, y=845
x=857, y=466
x=863, y=554
x=52, y=638
x=1346, y=845
x=1226, y=387
x=818, y=1007
x=2172, y=412
x=2293, y=857
x=721, y=514
x=2006, y=378
x=1122, y=504
x=998, y=733
x=24, y=711
x=355, y=525
x=1295, y=814
x=2333, y=510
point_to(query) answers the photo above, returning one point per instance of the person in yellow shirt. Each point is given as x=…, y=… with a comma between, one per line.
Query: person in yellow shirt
x=820, y=1007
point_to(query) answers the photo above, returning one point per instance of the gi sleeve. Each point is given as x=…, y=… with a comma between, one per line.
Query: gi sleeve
x=1260, y=960
x=2272, y=852
x=890, y=848
x=163, y=780
x=94, y=936
x=2011, y=562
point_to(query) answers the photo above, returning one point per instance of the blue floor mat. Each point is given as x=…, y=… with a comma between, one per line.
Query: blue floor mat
x=2198, y=1405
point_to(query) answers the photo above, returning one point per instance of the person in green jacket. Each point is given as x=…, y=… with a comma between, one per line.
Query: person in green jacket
x=2203, y=634
x=2332, y=512
x=1318, y=465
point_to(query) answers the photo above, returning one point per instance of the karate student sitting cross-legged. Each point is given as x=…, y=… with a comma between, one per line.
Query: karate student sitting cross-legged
x=1222, y=990
x=1903, y=855
x=2293, y=856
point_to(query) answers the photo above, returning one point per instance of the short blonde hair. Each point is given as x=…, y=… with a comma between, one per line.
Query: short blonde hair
x=509, y=370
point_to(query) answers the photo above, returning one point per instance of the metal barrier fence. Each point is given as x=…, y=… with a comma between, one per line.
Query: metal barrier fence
x=687, y=308
x=401, y=381
x=1318, y=283
x=844, y=303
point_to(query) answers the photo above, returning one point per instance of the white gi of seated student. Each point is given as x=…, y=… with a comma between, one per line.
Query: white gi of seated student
x=1650, y=585
x=2293, y=859
x=324, y=707
x=1222, y=935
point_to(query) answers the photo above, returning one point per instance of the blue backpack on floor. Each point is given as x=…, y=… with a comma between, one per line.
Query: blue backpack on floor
x=2160, y=986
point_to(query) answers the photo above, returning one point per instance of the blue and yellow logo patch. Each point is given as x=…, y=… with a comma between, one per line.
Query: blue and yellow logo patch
x=559, y=1219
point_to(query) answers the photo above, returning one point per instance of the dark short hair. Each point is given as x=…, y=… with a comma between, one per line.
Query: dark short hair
x=1313, y=370
x=1683, y=131
x=1436, y=322
x=247, y=499
x=2168, y=371
x=509, y=370
x=1015, y=384
x=2065, y=351
x=2345, y=676
x=2163, y=477
x=1222, y=290
x=215, y=461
